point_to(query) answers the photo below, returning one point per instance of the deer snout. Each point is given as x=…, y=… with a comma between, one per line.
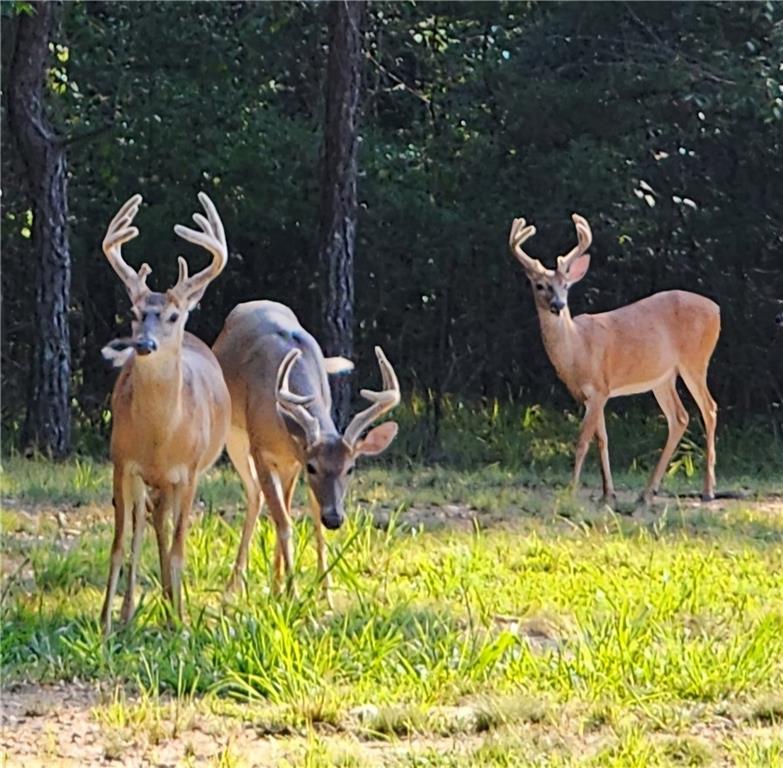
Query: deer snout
x=556, y=306
x=145, y=345
x=332, y=518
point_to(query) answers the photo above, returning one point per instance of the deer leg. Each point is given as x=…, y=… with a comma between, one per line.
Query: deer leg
x=697, y=386
x=603, y=449
x=183, y=503
x=320, y=545
x=238, y=451
x=121, y=493
x=139, y=517
x=593, y=412
x=677, y=419
x=160, y=519
x=275, y=498
x=289, y=488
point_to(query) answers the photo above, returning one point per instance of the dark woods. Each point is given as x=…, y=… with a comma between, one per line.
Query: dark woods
x=661, y=123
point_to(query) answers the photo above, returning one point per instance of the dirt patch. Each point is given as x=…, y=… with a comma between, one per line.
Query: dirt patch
x=65, y=725
x=59, y=725
x=585, y=506
x=76, y=724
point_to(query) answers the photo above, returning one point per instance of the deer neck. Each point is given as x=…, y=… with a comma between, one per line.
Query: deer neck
x=558, y=333
x=157, y=389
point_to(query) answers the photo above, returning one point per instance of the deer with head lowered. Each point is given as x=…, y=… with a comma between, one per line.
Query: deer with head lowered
x=637, y=348
x=170, y=406
x=281, y=423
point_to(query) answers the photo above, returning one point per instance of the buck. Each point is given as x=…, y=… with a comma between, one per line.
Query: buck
x=281, y=423
x=637, y=348
x=170, y=406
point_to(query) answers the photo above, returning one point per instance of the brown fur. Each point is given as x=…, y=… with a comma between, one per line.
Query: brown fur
x=637, y=348
x=267, y=445
x=170, y=411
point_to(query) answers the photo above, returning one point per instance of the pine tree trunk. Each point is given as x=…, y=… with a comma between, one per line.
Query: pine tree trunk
x=337, y=226
x=47, y=424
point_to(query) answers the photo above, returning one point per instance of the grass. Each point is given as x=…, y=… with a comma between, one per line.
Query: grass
x=483, y=617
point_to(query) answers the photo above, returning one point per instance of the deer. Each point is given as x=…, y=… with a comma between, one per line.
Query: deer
x=641, y=347
x=170, y=406
x=281, y=424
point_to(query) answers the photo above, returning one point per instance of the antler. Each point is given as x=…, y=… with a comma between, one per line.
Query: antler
x=382, y=402
x=584, y=236
x=296, y=405
x=211, y=237
x=521, y=231
x=120, y=232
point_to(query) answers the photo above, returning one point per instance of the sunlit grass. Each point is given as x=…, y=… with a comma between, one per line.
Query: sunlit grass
x=530, y=622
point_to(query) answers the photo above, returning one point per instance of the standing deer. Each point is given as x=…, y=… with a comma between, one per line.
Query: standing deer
x=637, y=348
x=170, y=406
x=281, y=422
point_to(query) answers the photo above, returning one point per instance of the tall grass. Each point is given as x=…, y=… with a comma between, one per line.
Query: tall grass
x=634, y=618
x=471, y=601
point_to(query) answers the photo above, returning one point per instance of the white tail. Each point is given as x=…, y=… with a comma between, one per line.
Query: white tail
x=164, y=434
x=281, y=423
x=117, y=352
x=637, y=348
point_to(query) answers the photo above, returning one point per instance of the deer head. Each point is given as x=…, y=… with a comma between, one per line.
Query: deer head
x=158, y=319
x=329, y=458
x=550, y=286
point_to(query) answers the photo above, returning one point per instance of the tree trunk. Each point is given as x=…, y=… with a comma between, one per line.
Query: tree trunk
x=337, y=225
x=47, y=424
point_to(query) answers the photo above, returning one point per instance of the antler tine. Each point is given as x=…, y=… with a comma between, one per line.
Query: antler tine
x=118, y=233
x=183, y=269
x=212, y=238
x=382, y=402
x=584, y=237
x=521, y=231
x=295, y=405
x=283, y=373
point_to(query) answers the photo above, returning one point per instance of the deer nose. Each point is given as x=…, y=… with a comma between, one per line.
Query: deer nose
x=556, y=306
x=332, y=518
x=145, y=345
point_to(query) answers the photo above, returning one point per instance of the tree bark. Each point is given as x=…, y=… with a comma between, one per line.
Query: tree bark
x=337, y=224
x=47, y=424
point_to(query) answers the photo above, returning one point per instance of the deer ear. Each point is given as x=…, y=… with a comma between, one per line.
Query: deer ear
x=578, y=269
x=378, y=439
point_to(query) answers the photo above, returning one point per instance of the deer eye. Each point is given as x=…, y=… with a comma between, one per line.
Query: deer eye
x=311, y=470
x=174, y=317
x=349, y=471
x=539, y=286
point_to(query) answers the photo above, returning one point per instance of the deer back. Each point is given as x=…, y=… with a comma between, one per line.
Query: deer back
x=256, y=337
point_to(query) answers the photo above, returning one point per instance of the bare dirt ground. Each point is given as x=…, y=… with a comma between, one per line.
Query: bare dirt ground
x=56, y=725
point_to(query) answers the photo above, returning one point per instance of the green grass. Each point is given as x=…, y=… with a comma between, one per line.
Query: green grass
x=482, y=617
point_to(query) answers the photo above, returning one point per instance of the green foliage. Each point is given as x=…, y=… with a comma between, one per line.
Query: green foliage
x=659, y=121
x=637, y=633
